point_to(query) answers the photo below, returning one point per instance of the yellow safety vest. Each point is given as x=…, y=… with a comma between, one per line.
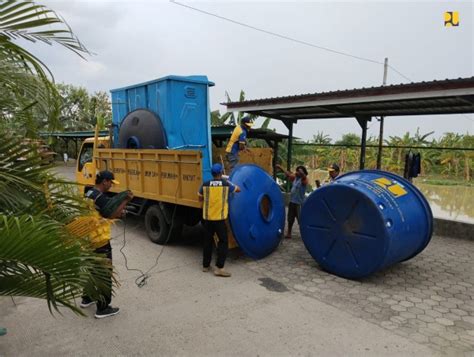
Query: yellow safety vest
x=235, y=138
x=216, y=206
x=101, y=236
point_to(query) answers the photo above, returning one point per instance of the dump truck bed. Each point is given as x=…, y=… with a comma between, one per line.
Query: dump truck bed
x=172, y=176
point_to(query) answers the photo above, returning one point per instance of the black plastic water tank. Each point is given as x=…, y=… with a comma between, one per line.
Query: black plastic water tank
x=142, y=129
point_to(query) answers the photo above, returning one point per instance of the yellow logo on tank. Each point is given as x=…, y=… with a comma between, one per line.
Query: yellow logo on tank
x=394, y=188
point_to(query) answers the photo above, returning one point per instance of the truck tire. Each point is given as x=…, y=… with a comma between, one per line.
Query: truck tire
x=156, y=226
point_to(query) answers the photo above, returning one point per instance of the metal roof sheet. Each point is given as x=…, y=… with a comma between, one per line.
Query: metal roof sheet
x=447, y=96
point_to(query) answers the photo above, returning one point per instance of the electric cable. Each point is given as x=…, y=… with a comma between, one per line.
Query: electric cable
x=141, y=280
x=129, y=229
x=288, y=38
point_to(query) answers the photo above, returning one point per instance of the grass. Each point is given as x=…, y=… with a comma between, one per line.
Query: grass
x=445, y=182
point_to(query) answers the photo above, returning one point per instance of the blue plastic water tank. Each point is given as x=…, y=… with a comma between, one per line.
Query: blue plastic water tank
x=257, y=213
x=365, y=221
x=181, y=103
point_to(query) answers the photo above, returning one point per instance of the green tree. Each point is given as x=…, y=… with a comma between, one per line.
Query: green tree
x=81, y=111
x=26, y=92
x=321, y=138
x=100, y=110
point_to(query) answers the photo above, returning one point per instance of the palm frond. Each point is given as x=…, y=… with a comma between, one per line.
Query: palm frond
x=26, y=20
x=39, y=258
x=266, y=123
x=26, y=184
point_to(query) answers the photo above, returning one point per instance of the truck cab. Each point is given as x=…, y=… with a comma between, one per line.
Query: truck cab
x=86, y=169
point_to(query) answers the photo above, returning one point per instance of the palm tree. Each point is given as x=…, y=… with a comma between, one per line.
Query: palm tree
x=39, y=255
x=42, y=253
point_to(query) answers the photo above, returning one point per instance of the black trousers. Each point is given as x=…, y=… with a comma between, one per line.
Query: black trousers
x=106, y=294
x=293, y=213
x=220, y=229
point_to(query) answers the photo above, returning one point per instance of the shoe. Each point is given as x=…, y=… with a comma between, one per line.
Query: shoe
x=206, y=269
x=86, y=302
x=222, y=272
x=108, y=311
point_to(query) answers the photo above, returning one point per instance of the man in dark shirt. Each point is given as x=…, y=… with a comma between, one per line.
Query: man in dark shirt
x=101, y=240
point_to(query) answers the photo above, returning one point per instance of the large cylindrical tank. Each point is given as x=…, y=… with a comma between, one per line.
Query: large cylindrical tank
x=257, y=213
x=365, y=221
x=141, y=129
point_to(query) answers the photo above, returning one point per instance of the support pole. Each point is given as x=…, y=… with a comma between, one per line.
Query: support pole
x=289, y=125
x=290, y=146
x=275, y=159
x=66, y=142
x=379, y=153
x=274, y=145
x=363, y=142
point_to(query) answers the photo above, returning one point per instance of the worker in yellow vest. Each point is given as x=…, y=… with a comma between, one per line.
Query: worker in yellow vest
x=101, y=240
x=215, y=195
x=237, y=142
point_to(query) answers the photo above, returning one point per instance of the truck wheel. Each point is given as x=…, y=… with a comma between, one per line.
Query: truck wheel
x=156, y=226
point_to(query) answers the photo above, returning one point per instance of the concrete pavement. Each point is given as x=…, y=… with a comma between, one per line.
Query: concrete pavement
x=183, y=311
x=281, y=305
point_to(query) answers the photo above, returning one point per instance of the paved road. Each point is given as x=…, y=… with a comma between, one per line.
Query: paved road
x=281, y=305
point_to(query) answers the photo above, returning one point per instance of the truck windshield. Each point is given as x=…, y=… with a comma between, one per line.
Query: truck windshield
x=86, y=155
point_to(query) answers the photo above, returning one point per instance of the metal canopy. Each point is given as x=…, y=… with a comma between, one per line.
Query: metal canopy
x=74, y=134
x=449, y=96
x=218, y=132
x=219, y=135
x=225, y=131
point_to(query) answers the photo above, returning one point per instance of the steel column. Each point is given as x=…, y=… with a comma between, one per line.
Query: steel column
x=362, y=120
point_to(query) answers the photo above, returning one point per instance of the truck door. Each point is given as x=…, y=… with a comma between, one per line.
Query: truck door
x=85, y=172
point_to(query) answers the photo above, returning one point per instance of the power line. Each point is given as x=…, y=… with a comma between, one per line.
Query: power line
x=471, y=119
x=289, y=38
x=399, y=73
